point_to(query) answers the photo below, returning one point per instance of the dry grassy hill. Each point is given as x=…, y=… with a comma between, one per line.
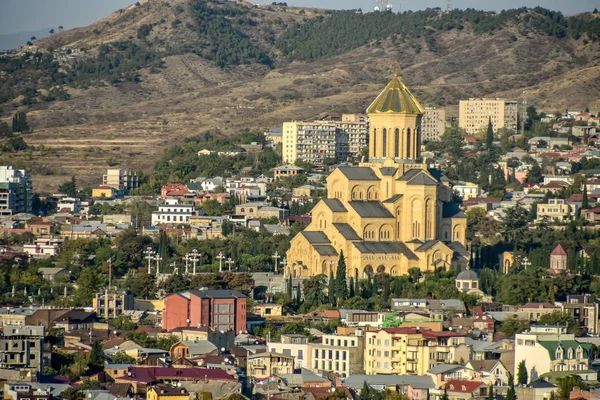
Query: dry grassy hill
x=134, y=121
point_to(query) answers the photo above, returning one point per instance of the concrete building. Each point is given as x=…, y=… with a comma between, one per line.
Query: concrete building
x=340, y=354
x=112, y=303
x=388, y=215
x=294, y=345
x=412, y=351
x=172, y=212
x=16, y=191
x=217, y=309
x=24, y=391
x=317, y=141
x=121, y=179
x=43, y=248
x=550, y=349
x=585, y=311
x=288, y=170
x=167, y=392
x=467, y=190
x=264, y=365
x=433, y=124
x=21, y=353
x=557, y=210
x=475, y=114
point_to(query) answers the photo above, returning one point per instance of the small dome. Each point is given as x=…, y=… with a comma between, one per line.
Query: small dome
x=468, y=275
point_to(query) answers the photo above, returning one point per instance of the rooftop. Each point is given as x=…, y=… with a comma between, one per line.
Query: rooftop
x=396, y=98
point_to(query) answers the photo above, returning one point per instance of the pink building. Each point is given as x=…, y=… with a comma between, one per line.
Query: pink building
x=218, y=309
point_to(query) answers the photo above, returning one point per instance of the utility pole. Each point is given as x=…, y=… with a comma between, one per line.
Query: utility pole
x=523, y=113
x=448, y=6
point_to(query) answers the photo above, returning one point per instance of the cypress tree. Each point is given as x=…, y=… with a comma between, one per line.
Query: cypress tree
x=163, y=250
x=298, y=294
x=351, y=287
x=489, y=138
x=331, y=290
x=289, y=287
x=491, y=393
x=341, y=286
x=585, y=201
x=522, y=373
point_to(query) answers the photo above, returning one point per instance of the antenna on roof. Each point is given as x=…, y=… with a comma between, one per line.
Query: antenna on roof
x=448, y=6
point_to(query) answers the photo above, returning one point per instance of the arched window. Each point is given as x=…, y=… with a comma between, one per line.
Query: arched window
x=397, y=143
x=374, y=141
x=408, y=153
x=384, y=142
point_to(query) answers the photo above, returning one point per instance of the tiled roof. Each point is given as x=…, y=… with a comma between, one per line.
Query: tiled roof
x=558, y=251
x=462, y=386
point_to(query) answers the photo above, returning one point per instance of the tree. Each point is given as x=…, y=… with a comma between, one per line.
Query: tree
x=144, y=285
x=19, y=122
x=72, y=394
x=89, y=384
x=341, y=286
x=511, y=393
x=69, y=188
x=314, y=291
x=163, y=250
x=534, y=175
x=88, y=284
x=445, y=395
x=515, y=223
x=561, y=318
x=566, y=385
x=176, y=283
x=585, y=201
x=5, y=131
x=351, y=292
x=331, y=292
x=510, y=326
x=489, y=138
x=522, y=373
x=51, y=31
x=491, y=395
x=60, y=28
x=141, y=213
x=97, y=357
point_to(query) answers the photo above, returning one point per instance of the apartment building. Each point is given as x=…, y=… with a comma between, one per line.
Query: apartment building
x=217, y=309
x=584, y=309
x=550, y=349
x=467, y=190
x=264, y=365
x=475, y=114
x=16, y=191
x=172, y=212
x=121, y=179
x=340, y=354
x=294, y=345
x=317, y=141
x=112, y=303
x=21, y=352
x=412, y=351
x=557, y=210
x=433, y=124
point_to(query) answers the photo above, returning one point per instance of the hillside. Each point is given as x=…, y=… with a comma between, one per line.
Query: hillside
x=155, y=73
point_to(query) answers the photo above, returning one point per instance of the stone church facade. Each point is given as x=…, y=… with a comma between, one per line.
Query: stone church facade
x=389, y=214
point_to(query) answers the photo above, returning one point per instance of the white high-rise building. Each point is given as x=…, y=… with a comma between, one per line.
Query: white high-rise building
x=475, y=114
x=16, y=191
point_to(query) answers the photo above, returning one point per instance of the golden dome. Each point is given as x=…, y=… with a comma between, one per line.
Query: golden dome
x=396, y=98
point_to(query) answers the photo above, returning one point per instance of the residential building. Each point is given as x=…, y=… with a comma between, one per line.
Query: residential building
x=104, y=192
x=70, y=204
x=268, y=310
x=460, y=390
x=433, y=124
x=260, y=210
x=592, y=215
x=121, y=179
x=557, y=210
x=467, y=190
x=112, y=303
x=16, y=191
x=492, y=372
x=414, y=387
x=475, y=114
x=317, y=141
x=21, y=352
x=294, y=345
x=535, y=310
x=274, y=135
x=284, y=171
x=382, y=214
x=340, y=354
x=217, y=309
x=264, y=365
x=52, y=273
x=42, y=248
x=172, y=212
x=584, y=310
x=24, y=391
x=167, y=392
x=412, y=350
x=550, y=349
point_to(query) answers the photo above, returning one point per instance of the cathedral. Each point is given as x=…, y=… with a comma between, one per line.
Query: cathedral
x=386, y=215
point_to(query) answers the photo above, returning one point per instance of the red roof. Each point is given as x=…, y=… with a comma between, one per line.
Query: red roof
x=537, y=305
x=153, y=374
x=462, y=386
x=402, y=331
x=556, y=184
x=575, y=197
x=558, y=251
x=593, y=210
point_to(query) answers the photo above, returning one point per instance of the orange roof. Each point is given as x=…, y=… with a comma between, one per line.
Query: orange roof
x=462, y=386
x=558, y=251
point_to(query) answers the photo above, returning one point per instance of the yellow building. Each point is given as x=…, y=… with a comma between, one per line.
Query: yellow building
x=412, y=351
x=104, y=192
x=264, y=365
x=167, y=392
x=389, y=214
x=475, y=114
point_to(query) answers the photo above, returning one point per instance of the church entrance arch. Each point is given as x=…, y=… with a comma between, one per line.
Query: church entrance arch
x=381, y=269
x=368, y=272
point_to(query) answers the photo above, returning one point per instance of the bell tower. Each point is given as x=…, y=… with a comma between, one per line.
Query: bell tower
x=395, y=124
